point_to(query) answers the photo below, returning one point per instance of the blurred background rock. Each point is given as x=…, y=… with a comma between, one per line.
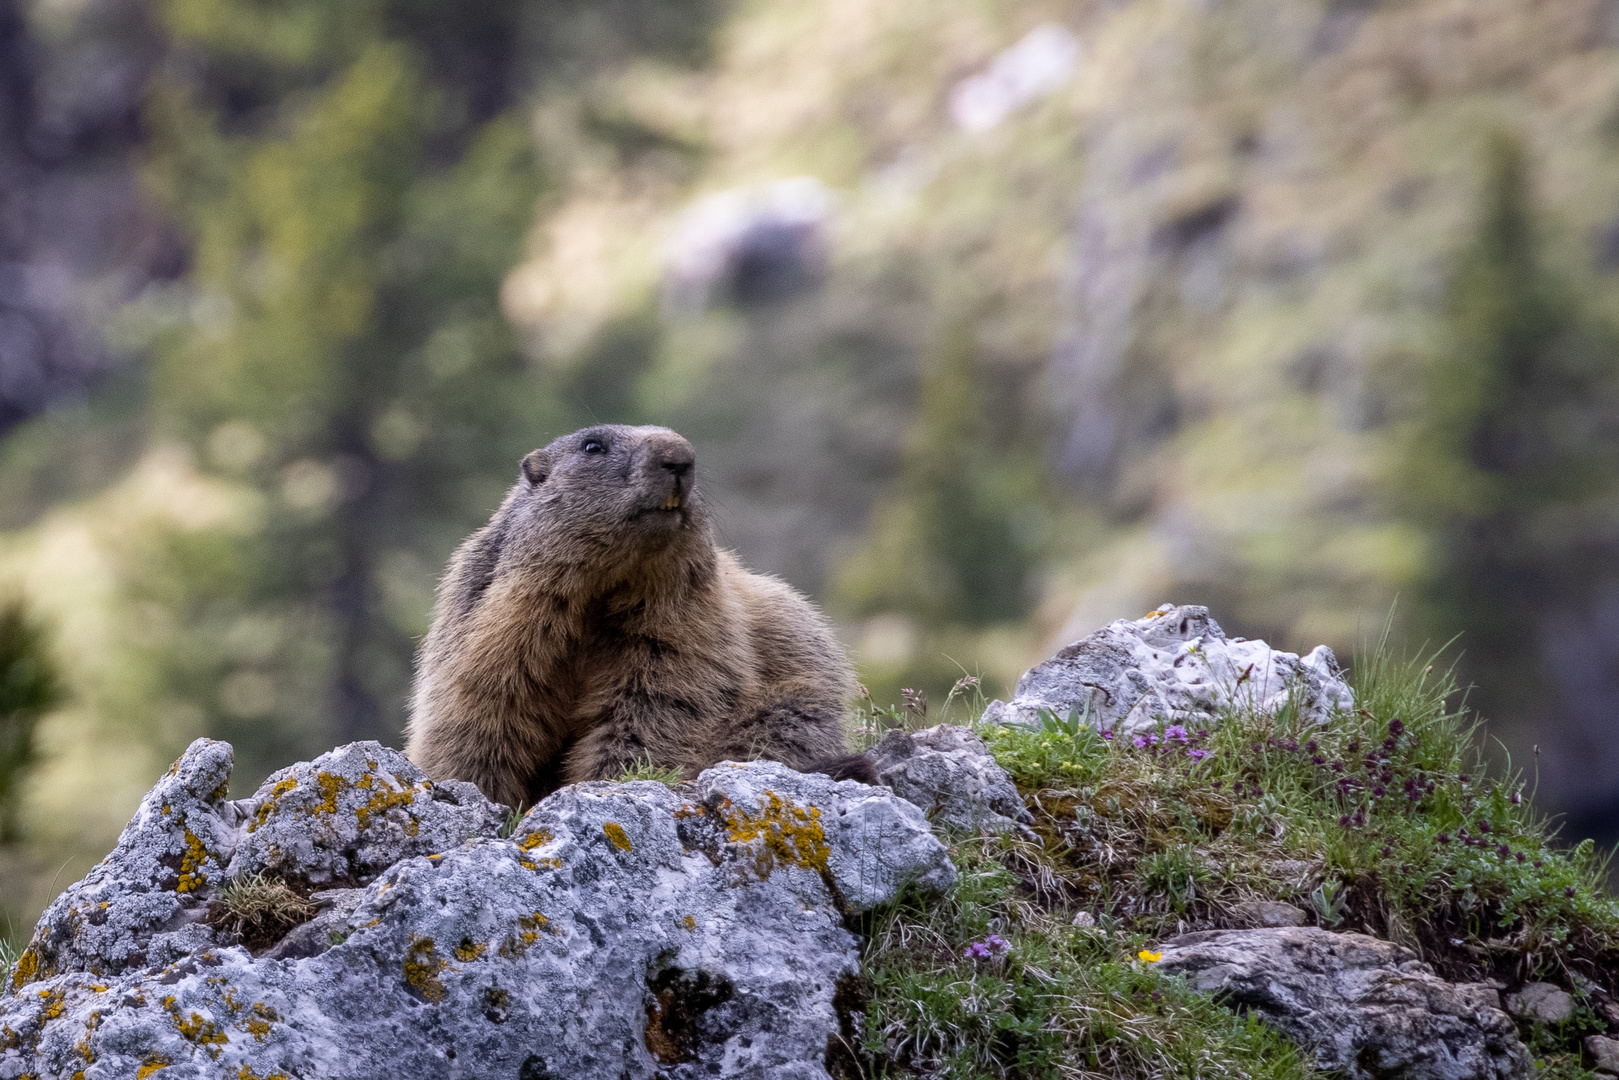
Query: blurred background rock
x=992, y=322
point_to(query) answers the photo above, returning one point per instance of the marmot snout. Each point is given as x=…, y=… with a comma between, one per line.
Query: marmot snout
x=592, y=624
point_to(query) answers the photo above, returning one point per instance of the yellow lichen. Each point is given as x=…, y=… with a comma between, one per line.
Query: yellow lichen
x=383, y=801
x=541, y=837
x=689, y=923
x=469, y=950
x=269, y=805
x=191, y=859
x=152, y=1065
x=246, y=1073
x=615, y=833
x=26, y=969
x=258, y=1022
x=55, y=1004
x=422, y=965
x=789, y=833
x=529, y=927
x=330, y=785
x=200, y=1030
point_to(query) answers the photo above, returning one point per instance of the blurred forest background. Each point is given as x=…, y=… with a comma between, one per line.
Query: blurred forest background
x=992, y=321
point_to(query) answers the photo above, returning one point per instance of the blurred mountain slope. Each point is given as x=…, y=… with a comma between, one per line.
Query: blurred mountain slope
x=1199, y=287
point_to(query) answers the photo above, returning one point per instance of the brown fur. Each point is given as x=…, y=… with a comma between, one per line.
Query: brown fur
x=592, y=624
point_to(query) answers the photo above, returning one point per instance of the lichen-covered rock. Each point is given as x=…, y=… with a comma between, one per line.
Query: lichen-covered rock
x=1363, y=1007
x=950, y=773
x=875, y=844
x=622, y=931
x=143, y=903
x=352, y=813
x=1175, y=664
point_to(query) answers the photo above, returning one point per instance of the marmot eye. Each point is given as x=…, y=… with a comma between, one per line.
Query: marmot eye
x=594, y=447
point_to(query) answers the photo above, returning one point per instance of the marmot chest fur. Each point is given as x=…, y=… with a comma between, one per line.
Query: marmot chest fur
x=592, y=625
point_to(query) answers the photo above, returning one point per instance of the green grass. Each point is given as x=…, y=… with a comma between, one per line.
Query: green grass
x=645, y=770
x=1381, y=821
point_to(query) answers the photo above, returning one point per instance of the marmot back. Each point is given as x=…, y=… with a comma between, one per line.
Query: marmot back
x=592, y=625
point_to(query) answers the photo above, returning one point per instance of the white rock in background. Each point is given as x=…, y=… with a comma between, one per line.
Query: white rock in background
x=1174, y=665
x=622, y=931
x=756, y=242
x=1038, y=65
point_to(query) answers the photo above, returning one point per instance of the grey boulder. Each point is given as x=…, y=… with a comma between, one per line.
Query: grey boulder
x=1363, y=1007
x=949, y=773
x=1174, y=665
x=623, y=930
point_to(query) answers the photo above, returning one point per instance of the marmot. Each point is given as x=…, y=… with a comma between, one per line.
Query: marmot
x=592, y=624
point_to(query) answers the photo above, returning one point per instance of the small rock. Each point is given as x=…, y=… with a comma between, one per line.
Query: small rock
x=352, y=813
x=1604, y=1053
x=1541, y=1003
x=949, y=773
x=1268, y=913
x=1084, y=920
x=1175, y=664
x=1363, y=1007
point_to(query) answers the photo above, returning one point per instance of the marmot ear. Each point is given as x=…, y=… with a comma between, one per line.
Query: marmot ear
x=536, y=466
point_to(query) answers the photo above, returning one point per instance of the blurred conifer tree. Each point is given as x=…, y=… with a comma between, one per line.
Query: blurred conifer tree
x=28, y=688
x=1514, y=451
x=354, y=180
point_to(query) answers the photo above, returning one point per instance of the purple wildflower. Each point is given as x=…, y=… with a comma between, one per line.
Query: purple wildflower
x=1107, y=733
x=990, y=947
x=1175, y=731
x=1140, y=741
x=1197, y=753
x=1396, y=726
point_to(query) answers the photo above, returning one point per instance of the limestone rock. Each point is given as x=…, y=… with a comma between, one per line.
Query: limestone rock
x=1269, y=913
x=1604, y=1054
x=949, y=773
x=1362, y=1006
x=143, y=903
x=1174, y=665
x=622, y=931
x=1541, y=1003
x=352, y=813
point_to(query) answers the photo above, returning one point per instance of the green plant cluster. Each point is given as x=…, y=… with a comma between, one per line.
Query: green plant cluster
x=1039, y=964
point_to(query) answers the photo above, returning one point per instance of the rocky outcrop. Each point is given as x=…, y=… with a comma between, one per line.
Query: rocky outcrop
x=1174, y=665
x=622, y=930
x=1363, y=1007
x=950, y=773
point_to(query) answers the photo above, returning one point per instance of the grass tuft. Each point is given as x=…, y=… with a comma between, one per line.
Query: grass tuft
x=1382, y=821
x=260, y=909
x=645, y=770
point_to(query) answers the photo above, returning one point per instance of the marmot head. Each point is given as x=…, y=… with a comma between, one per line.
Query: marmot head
x=614, y=490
